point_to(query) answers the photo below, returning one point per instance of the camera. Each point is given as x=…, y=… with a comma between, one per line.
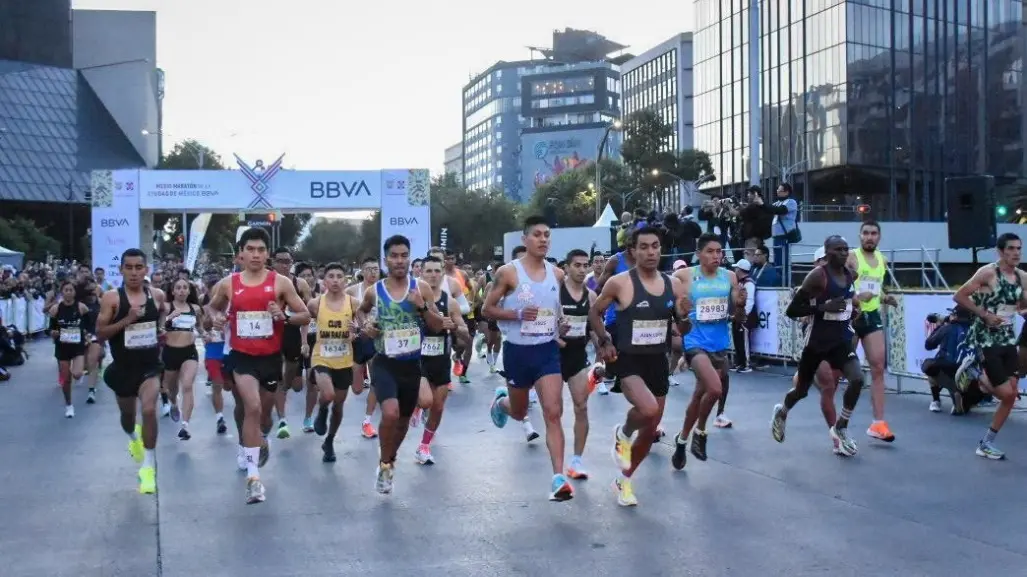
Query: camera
x=938, y=318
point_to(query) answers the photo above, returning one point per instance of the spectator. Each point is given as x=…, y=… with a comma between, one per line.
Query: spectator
x=755, y=220
x=762, y=273
x=690, y=233
x=785, y=228
x=740, y=329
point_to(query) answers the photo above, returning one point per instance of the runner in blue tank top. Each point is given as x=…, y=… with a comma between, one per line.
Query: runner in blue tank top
x=402, y=304
x=530, y=317
x=711, y=292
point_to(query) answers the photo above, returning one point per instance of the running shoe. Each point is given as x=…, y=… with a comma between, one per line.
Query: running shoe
x=265, y=453
x=147, y=480
x=722, y=422
x=254, y=491
x=879, y=430
x=561, y=489
x=843, y=444
x=625, y=492
x=621, y=449
x=183, y=434
x=91, y=397
x=308, y=425
x=175, y=413
x=680, y=457
x=321, y=422
x=464, y=380
x=698, y=448
x=69, y=411
x=459, y=368
x=576, y=470
x=383, y=482
x=222, y=427
x=415, y=419
x=777, y=424
x=988, y=450
x=329, y=452
x=530, y=434
x=368, y=430
x=934, y=407
x=424, y=456
x=283, y=430
x=135, y=446
x=499, y=417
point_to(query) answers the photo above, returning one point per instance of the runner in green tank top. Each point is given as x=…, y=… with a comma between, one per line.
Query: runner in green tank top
x=995, y=294
x=871, y=270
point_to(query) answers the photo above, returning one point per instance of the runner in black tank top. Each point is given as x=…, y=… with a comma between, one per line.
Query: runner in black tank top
x=827, y=295
x=67, y=327
x=129, y=320
x=575, y=300
x=305, y=272
x=95, y=348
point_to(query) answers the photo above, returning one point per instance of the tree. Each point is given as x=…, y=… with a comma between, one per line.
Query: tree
x=646, y=152
x=570, y=199
x=23, y=235
x=334, y=240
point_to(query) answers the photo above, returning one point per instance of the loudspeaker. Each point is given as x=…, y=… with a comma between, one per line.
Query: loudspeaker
x=971, y=211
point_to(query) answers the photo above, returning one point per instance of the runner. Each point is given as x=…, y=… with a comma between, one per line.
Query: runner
x=182, y=315
x=254, y=299
x=826, y=295
x=455, y=294
x=334, y=323
x=435, y=355
x=871, y=270
x=462, y=353
x=68, y=320
x=711, y=293
x=96, y=349
x=616, y=264
x=306, y=272
x=213, y=356
x=592, y=279
x=416, y=267
x=392, y=314
x=130, y=320
x=531, y=320
x=294, y=342
x=363, y=347
x=995, y=295
x=646, y=301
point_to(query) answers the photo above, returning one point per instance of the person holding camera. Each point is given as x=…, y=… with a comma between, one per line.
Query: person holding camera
x=949, y=332
x=755, y=220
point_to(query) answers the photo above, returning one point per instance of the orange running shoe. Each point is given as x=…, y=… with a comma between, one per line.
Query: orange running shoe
x=458, y=368
x=880, y=430
x=368, y=430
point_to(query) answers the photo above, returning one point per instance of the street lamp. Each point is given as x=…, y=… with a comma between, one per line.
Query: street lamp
x=615, y=125
x=691, y=186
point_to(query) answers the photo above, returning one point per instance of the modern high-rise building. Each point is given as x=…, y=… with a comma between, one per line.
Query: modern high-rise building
x=660, y=79
x=869, y=102
x=454, y=161
x=529, y=120
x=36, y=32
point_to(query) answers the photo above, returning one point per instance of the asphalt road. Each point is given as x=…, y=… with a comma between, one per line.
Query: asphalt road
x=925, y=505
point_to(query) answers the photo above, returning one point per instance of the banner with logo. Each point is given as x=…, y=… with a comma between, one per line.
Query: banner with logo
x=764, y=339
x=405, y=197
x=115, y=219
x=197, y=230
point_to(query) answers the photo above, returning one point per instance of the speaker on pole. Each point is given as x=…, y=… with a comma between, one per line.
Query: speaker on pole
x=971, y=211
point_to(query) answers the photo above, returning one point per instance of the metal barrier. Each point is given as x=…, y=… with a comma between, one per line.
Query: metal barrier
x=930, y=275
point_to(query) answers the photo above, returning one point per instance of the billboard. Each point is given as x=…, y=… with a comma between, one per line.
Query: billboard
x=546, y=155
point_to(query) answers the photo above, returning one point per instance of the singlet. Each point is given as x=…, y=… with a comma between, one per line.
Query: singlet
x=137, y=345
x=545, y=295
x=184, y=322
x=435, y=344
x=334, y=344
x=643, y=327
x=70, y=324
x=826, y=329
x=399, y=323
x=576, y=314
x=1003, y=302
x=870, y=279
x=465, y=285
x=254, y=331
x=710, y=314
x=591, y=282
x=622, y=266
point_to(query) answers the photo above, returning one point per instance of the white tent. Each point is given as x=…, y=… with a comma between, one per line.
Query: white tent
x=606, y=219
x=12, y=258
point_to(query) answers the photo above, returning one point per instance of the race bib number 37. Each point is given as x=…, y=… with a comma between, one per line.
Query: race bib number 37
x=402, y=342
x=254, y=324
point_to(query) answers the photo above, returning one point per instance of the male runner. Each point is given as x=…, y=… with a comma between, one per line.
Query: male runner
x=254, y=299
x=711, y=291
x=416, y=267
x=130, y=319
x=530, y=318
x=995, y=294
x=462, y=355
x=616, y=264
x=871, y=270
x=400, y=305
x=576, y=300
x=306, y=272
x=592, y=278
x=435, y=354
x=294, y=341
x=363, y=347
x=332, y=360
x=646, y=301
x=826, y=295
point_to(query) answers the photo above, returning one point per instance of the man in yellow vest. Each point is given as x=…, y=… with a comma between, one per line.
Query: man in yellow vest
x=871, y=269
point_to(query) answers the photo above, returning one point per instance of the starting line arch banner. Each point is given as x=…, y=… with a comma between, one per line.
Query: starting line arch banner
x=119, y=198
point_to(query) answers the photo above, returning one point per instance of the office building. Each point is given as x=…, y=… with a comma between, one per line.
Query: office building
x=36, y=32
x=525, y=121
x=454, y=161
x=863, y=102
x=660, y=79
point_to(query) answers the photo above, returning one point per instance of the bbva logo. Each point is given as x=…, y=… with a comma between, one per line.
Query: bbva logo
x=332, y=189
x=402, y=221
x=113, y=222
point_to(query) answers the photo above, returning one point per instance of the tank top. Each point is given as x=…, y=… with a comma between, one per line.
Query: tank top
x=870, y=279
x=334, y=344
x=254, y=332
x=184, y=322
x=70, y=324
x=621, y=266
x=643, y=327
x=826, y=329
x=399, y=323
x=545, y=295
x=435, y=344
x=465, y=286
x=711, y=305
x=576, y=314
x=137, y=344
x=1002, y=302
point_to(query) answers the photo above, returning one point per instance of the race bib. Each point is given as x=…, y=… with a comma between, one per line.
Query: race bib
x=70, y=336
x=840, y=316
x=711, y=309
x=335, y=348
x=253, y=324
x=648, y=333
x=402, y=341
x=578, y=326
x=183, y=322
x=433, y=346
x=1006, y=313
x=544, y=324
x=141, y=336
x=870, y=285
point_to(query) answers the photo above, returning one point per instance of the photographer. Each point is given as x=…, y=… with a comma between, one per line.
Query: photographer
x=948, y=334
x=719, y=214
x=755, y=219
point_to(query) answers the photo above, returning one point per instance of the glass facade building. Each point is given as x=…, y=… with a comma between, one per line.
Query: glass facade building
x=863, y=101
x=660, y=79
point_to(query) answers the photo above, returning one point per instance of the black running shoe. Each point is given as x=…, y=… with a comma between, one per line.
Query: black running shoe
x=699, y=445
x=680, y=453
x=321, y=422
x=329, y=451
x=265, y=453
x=222, y=427
x=183, y=434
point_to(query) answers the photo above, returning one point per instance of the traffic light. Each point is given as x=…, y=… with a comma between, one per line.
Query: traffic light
x=863, y=209
x=1001, y=211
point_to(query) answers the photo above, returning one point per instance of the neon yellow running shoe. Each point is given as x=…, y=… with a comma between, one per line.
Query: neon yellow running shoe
x=135, y=447
x=147, y=480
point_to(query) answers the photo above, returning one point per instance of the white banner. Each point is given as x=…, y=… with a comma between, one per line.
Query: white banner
x=115, y=219
x=764, y=338
x=405, y=208
x=197, y=230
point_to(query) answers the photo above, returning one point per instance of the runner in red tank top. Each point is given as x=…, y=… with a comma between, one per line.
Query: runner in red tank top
x=257, y=297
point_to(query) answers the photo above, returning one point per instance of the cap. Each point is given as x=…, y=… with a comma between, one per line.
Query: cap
x=489, y=268
x=680, y=264
x=744, y=265
x=821, y=253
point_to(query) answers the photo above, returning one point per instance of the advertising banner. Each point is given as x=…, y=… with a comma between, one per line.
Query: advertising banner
x=405, y=208
x=197, y=230
x=115, y=219
x=763, y=340
x=545, y=156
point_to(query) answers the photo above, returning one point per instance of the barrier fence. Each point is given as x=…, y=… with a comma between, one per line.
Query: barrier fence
x=28, y=315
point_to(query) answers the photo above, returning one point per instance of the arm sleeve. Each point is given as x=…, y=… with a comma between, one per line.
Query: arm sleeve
x=465, y=307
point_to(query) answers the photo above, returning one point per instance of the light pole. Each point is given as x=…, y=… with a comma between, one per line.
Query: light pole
x=690, y=185
x=615, y=125
x=626, y=196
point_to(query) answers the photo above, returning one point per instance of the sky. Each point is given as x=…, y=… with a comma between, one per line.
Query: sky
x=345, y=85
